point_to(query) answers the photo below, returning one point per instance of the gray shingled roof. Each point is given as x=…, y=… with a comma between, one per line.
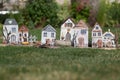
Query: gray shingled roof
x=49, y=28
x=10, y=22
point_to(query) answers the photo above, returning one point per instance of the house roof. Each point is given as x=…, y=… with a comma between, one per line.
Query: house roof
x=49, y=28
x=81, y=24
x=96, y=29
x=67, y=20
x=108, y=34
x=23, y=28
x=10, y=22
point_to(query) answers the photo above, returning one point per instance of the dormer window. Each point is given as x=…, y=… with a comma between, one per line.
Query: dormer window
x=10, y=22
x=68, y=24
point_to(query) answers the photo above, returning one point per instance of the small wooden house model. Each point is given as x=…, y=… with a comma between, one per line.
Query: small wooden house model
x=97, y=37
x=10, y=31
x=80, y=37
x=67, y=30
x=23, y=34
x=48, y=35
x=109, y=39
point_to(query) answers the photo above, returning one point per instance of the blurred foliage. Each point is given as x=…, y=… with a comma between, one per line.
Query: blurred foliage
x=79, y=11
x=41, y=12
x=64, y=11
x=101, y=14
x=113, y=15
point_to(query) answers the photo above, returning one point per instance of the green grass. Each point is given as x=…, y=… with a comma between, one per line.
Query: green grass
x=28, y=63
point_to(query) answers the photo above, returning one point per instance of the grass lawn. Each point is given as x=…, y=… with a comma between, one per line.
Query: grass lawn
x=66, y=63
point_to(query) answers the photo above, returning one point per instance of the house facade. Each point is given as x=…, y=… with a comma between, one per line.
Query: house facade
x=80, y=37
x=48, y=35
x=109, y=39
x=10, y=31
x=67, y=31
x=97, y=36
x=23, y=34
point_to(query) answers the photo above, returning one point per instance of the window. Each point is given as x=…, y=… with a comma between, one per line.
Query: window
x=99, y=33
x=108, y=35
x=20, y=39
x=94, y=34
x=52, y=34
x=68, y=25
x=20, y=35
x=13, y=30
x=45, y=34
x=83, y=31
x=97, y=27
x=25, y=35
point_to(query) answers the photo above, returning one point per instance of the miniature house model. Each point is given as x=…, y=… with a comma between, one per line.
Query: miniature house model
x=109, y=39
x=10, y=31
x=67, y=30
x=97, y=36
x=23, y=34
x=80, y=37
x=48, y=35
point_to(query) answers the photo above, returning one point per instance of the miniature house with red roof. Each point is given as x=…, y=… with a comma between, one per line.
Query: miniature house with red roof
x=23, y=34
x=67, y=30
x=80, y=37
x=97, y=36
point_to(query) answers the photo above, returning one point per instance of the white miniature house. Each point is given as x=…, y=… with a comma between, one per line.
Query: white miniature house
x=48, y=35
x=80, y=37
x=23, y=34
x=66, y=32
x=97, y=36
x=10, y=31
x=109, y=39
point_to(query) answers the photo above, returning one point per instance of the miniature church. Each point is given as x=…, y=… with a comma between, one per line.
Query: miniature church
x=97, y=36
x=80, y=37
x=67, y=30
x=48, y=35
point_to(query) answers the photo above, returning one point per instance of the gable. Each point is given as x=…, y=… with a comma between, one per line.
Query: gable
x=97, y=28
x=10, y=22
x=49, y=28
x=68, y=21
x=23, y=29
x=81, y=24
x=108, y=34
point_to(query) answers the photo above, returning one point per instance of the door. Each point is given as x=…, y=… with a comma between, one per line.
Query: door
x=81, y=42
x=68, y=37
x=99, y=43
x=25, y=37
x=13, y=39
x=48, y=41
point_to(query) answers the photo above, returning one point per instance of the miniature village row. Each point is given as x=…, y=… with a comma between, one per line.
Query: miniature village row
x=76, y=34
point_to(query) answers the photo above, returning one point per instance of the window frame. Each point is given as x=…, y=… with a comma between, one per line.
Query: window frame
x=14, y=30
x=52, y=35
x=45, y=34
x=83, y=31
